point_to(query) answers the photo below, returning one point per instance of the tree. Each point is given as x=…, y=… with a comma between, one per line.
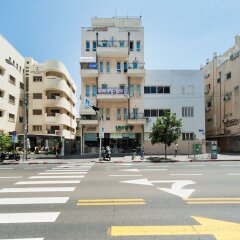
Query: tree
x=5, y=142
x=166, y=130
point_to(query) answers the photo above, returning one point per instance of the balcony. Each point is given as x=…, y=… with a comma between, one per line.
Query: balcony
x=113, y=94
x=112, y=48
x=136, y=119
x=89, y=70
x=60, y=102
x=89, y=120
x=136, y=69
x=60, y=119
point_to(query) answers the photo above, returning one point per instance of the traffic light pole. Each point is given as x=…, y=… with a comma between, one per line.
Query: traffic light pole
x=100, y=135
x=25, y=143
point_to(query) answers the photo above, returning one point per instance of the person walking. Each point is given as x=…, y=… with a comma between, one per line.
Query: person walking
x=176, y=149
x=57, y=151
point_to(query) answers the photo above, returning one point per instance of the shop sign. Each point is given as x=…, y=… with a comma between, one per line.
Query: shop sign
x=126, y=128
x=232, y=122
x=116, y=135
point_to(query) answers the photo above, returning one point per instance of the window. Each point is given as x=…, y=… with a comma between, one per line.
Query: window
x=11, y=99
x=147, y=113
x=37, y=128
x=108, y=67
x=37, y=78
x=187, y=112
x=37, y=111
x=118, y=114
x=21, y=119
x=125, y=114
x=1, y=71
x=163, y=89
x=108, y=114
x=94, y=90
x=21, y=103
x=161, y=112
x=21, y=85
x=104, y=86
x=131, y=90
x=138, y=90
x=228, y=75
x=11, y=117
x=118, y=67
x=94, y=46
x=87, y=91
x=135, y=65
x=12, y=80
x=138, y=46
x=187, y=136
x=1, y=93
x=101, y=67
x=153, y=89
x=121, y=44
x=135, y=113
x=125, y=67
x=37, y=95
x=154, y=112
x=166, y=89
x=147, y=90
x=131, y=45
x=87, y=46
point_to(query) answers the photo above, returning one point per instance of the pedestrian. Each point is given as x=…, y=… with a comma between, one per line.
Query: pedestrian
x=176, y=149
x=57, y=151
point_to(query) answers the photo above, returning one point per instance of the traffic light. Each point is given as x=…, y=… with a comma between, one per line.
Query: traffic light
x=95, y=108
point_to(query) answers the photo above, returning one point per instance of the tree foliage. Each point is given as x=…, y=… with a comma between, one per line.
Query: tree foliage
x=5, y=142
x=166, y=130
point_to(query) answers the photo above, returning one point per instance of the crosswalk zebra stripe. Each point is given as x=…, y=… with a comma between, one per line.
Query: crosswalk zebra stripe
x=37, y=189
x=41, y=177
x=35, y=200
x=47, y=182
x=22, y=239
x=55, y=173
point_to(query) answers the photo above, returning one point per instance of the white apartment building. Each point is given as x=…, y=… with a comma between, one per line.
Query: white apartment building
x=180, y=92
x=222, y=98
x=11, y=89
x=112, y=77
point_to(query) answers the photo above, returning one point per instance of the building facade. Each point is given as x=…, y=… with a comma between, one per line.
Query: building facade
x=112, y=78
x=222, y=99
x=11, y=88
x=180, y=92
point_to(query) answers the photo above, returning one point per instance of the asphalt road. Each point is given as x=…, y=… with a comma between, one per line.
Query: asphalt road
x=176, y=201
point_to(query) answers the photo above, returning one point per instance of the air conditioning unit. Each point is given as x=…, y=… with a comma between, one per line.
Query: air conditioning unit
x=148, y=119
x=226, y=98
x=225, y=120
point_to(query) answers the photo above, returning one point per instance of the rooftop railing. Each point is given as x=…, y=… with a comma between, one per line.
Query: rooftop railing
x=112, y=43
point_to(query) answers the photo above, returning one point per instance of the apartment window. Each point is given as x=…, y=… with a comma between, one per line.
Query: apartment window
x=108, y=67
x=36, y=128
x=187, y=112
x=94, y=46
x=1, y=93
x=21, y=103
x=125, y=114
x=11, y=117
x=131, y=90
x=121, y=44
x=37, y=78
x=135, y=65
x=125, y=67
x=87, y=46
x=87, y=91
x=154, y=112
x=12, y=80
x=153, y=89
x=11, y=99
x=37, y=95
x=118, y=67
x=118, y=114
x=138, y=46
x=209, y=103
x=1, y=71
x=108, y=114
x=228, y=75
x=21, y=85
x=161, y=112
x=163, y=89
x=138, y=90
x=101, y=67
x=187, y=136
x=131, y=45
x=21, y=119
x=94, y=90
x=37, y=111
x=135, y=113
x=147, y=90
x=147, y=113
x=1, y=113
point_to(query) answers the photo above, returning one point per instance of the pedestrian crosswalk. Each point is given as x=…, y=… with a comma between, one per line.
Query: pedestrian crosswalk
x=61, y=179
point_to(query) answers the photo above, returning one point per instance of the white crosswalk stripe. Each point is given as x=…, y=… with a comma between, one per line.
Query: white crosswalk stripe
x=47, y=182
x=62, y=173
x=38, y=189
x=35, y=200
x=44, y=177
x=22, y=239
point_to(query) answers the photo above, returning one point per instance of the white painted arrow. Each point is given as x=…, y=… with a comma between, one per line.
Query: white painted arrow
x=176, y=188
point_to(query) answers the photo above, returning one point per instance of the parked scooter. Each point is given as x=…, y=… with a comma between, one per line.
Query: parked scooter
x=107, y=154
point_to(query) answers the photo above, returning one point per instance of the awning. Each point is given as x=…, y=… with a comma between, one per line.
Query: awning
x=87, y=59
x=88, y=111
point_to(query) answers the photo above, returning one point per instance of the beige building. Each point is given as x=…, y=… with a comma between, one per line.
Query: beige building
x=112, y=77
x=222, y=99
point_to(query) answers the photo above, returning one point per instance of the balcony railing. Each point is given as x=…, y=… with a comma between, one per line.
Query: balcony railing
x=135, y=65
x=112, y=91
x=112, y=43
x=88, y=117
x=133, y=116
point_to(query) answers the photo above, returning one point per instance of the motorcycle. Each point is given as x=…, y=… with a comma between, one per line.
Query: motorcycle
x=107, y=154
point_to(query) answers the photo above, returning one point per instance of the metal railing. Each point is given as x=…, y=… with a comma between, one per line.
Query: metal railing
x=88, y=117
x=136, y=116
x=135, y=65
x=112, y=43
x=112, y=91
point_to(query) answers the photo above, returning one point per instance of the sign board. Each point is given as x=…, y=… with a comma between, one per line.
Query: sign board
x=87, y=103
x=101, y=132
x=92, y=65
x=14, y=138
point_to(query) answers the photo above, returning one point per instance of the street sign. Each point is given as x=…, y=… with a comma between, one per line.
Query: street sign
x=101, y=132
x=87, y=103
x=14, y=133
x=14, y=138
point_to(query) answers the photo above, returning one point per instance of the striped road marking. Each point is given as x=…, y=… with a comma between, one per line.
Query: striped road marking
x=213, y=200
x=22, y=239
x=44, y=177
x=5, y=168
x=98, y=202
x=28, y=217
x=47, y=182
x=36, y=200
x=52, y=173
x=38, y=189
x=11, y=177
x=186, y=174
x=230, y=165
x=233, y=174
x=68, y=169
x=125, y=175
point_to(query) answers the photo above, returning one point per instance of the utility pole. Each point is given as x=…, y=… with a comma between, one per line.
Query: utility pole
x=25, y=141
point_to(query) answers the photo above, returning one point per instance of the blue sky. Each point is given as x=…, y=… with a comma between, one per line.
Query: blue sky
x=179, y=34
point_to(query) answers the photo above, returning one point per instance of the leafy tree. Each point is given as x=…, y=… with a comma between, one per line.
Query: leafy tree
x=5, y=142
x=166, y=130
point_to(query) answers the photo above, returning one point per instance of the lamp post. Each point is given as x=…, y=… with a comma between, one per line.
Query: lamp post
x=25, y=132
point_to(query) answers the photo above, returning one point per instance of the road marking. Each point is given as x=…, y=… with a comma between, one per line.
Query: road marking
x=159, y=166
x=47, y=182
x=28, y=217
x=229, y=165
x=139, y=170
x=62, y=173
x=104, y=202
x=44, y=177
x=176, y=187
x=33, y=169
x=11, y=177
x=193, y=165
x=36, y=200
x=5, y=168
x=69, y=169
x=233, y=174
x=38, y=189
x=61, y=170
x=213, y=200
x=125, y=175
x=186, y=174
x=219, y=229
x=22, y=239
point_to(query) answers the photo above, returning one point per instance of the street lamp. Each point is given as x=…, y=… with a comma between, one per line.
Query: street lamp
x=25, y=143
